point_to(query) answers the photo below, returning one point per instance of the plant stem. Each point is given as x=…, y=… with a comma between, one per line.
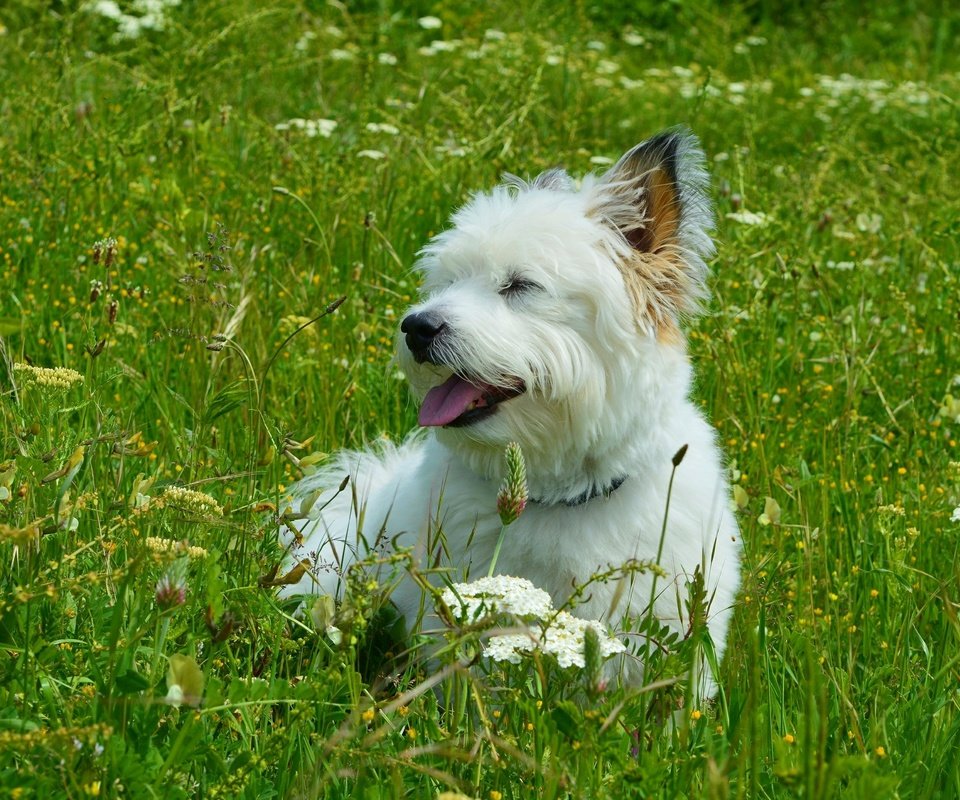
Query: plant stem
x=496, y=551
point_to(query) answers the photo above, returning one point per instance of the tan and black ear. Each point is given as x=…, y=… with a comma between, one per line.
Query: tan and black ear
x=655, y=196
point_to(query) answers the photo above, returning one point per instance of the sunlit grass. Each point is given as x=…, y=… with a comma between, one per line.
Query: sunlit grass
x=166, y=224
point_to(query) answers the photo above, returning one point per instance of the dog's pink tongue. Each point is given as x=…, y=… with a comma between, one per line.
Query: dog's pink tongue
x=444, y=403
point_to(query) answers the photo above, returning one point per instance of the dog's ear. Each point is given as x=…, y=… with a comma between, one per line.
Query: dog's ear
x=656, y=197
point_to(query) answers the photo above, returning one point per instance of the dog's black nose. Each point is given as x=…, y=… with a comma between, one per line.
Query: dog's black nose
x=422, y=331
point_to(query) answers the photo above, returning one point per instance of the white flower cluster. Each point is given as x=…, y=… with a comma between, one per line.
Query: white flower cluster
x=562, y=636
x=151, y=15
x=745, y=217
x=558, y=633
x=311, y=127
x=56, y=379
x=497, y=594
x=190, y=500
x=173, y=547
x=383, y=127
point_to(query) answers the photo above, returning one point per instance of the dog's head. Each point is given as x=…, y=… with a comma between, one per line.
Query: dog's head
x=545, y=302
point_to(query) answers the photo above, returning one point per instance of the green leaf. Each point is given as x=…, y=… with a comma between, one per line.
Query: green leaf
x=19, y=725
x=565, y=715
x=131, y=682
x=226, y=400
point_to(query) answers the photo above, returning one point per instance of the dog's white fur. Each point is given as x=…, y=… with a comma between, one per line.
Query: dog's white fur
x=616, y=263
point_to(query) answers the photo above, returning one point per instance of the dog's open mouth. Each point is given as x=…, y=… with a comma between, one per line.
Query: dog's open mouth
x=457, y=402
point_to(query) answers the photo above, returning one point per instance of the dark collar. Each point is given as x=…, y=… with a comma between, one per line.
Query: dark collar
x=591, y=494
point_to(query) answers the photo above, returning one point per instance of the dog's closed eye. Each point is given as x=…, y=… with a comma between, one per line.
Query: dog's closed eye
x=516, y=285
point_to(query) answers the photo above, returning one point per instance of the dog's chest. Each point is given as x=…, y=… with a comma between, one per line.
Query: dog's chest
x=556, y=547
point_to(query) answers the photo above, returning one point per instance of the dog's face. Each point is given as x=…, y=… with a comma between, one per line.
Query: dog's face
x=543, y=300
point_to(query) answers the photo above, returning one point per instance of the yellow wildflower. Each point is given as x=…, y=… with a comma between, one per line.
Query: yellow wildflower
x=771, y=512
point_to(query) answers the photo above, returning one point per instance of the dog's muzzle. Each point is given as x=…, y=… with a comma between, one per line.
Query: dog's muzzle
x=422, y=332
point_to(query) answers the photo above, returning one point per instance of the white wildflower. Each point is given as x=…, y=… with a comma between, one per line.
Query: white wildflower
x=430, y=23
x=955, y=516
x=745, y=217
x=563, y=638
x=105, y=8
x=509, y=647
x=191, y=500
x=557, y=633
x=311, y=127
x=383, y=127
x=451, y=150
x=633, y=39
x=376, y=155
x=323, y=127
x=55, y=378
x=151, y=15
x=497, y=594
x=869, y=223
x=389, y=59
x=304, y=41
x=173, y=547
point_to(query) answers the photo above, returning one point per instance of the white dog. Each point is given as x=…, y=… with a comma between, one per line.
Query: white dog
x=550, y=317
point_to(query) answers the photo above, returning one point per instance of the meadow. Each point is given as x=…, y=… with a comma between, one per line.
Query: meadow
x=208, y=215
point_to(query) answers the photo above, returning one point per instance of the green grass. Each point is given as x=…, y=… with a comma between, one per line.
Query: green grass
x=828, y=366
